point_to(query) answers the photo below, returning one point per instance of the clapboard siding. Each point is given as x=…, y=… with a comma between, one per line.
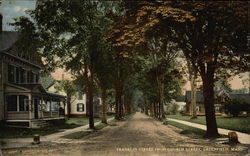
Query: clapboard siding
x=46, y=114
x=55, y=114
x=17, y=115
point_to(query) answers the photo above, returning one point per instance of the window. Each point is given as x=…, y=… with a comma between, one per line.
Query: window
x=197, y=108
x=12, y=103
x=11, y=73
x=23, y=103
x=17, y=73
x=54, y=106
x=80, y=96
x=17, y=103
x=47, y=106
x=37, y=78
x=80, y=107
x=23, y=75
x=31, y=77
x=217, y=109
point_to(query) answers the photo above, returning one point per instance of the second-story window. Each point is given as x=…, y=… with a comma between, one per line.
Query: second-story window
x=17, y=73
x=23, y=75
x=11, y=73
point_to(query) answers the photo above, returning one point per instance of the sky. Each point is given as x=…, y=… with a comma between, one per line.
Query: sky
x=14, y=8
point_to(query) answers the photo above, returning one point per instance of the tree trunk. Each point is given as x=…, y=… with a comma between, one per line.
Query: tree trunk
x=104, y=105
x=208, y=92
x=151, y=109
x=145, y=105
x=118, y=101
x=155, y=109
x=90, y=101
x=192, y=77
x=193, y=95
x=159, y=110
x=69, y=105
x=162, y=101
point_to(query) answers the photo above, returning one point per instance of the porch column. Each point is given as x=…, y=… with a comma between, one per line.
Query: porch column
x=30, y=106
x=50, y=107
x=58, y=107
x=42, y=103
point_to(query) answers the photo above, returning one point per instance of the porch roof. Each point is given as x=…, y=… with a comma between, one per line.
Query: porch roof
x=56, y=95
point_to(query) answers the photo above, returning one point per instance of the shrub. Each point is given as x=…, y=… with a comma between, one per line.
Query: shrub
x=173, y=109
x=235, y=106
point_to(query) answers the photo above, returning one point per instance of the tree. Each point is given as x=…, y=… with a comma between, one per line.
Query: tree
x=222, y=83
x=68, y=34
x=235, y=106
x=46, y=80
x=69, y=88
x=212, y=35
x=193, y=81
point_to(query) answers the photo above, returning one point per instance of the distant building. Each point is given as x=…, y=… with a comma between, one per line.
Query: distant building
x=220, y=98
x=78, y=103
x=23, y=101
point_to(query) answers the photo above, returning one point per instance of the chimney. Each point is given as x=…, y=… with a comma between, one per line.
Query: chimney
x=1, y=22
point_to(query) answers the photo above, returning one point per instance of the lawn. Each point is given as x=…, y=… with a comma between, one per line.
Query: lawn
x=11, y=132
x=81, y=134
x=80, y=121
x=241, y=124
x=187, y=128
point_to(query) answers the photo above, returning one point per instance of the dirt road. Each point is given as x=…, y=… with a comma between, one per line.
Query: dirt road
x=138, y=135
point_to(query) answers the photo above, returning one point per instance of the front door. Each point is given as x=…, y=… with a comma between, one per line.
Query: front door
x=36, y=108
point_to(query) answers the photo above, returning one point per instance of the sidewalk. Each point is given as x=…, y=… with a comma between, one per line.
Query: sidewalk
x=243, y=137
x=47, y=139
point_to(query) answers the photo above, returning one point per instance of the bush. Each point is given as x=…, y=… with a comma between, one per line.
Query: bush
x=110, y=113
x=182, y=112
x=173, y=109
x=235, y=106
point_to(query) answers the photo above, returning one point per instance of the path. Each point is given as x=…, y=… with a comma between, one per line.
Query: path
x=243, y=137
x=55, y=137
x=139, y=135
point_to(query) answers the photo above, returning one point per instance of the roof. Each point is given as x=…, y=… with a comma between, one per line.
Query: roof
x=7, y=39
x=180, y=99
x=55, y=94
x=200, y=98
x=33, y=86
x=246, y=97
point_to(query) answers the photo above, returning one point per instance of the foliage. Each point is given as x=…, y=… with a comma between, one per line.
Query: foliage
x=46, y=80
x=212, y=36
x=66, y=86
x=235, y=106
x=222, y=84
x=173, y=109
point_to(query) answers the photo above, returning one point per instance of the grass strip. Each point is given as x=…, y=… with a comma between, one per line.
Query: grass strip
x=77, y=135
x=240, y=124
x=81, y=134
x=188, y=128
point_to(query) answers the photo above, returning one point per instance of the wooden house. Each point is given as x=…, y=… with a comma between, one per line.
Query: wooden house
x=78, y=107
x=220, y=98
x=23, y=100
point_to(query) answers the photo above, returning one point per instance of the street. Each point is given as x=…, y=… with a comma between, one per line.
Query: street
x=138, y=135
